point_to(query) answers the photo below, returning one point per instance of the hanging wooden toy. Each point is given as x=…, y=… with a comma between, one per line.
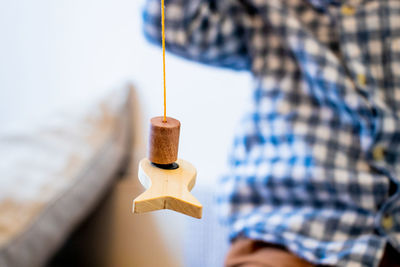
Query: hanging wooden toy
x=168, y=180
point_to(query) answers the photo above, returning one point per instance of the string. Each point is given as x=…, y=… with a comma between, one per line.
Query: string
x=163, y=49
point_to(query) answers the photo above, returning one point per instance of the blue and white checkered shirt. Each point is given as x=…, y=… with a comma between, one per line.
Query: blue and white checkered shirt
x=315, y=166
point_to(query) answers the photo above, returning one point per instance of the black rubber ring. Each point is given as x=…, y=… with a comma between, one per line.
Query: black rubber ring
x=171, y=166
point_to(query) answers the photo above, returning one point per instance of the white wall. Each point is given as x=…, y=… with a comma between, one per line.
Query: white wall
x=57, y=53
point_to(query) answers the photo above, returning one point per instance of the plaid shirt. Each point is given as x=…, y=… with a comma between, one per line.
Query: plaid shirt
x=315, y=163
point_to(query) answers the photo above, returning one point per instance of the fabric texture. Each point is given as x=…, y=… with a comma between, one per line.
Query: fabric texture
x=315, y=161
x=54, y=173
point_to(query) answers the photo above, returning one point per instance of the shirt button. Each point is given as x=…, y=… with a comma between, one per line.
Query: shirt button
x=378, y=153
x=387, y=222
x=348, y=10
x=362, y=80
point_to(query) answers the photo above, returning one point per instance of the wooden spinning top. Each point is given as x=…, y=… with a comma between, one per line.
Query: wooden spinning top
x=168, y=180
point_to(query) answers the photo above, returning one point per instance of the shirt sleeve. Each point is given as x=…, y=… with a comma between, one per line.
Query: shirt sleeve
x=208, y=31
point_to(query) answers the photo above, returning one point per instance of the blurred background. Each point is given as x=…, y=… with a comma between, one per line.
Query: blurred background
x=78, y=86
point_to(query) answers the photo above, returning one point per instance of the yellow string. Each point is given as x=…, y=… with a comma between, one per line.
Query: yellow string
x=163, y=49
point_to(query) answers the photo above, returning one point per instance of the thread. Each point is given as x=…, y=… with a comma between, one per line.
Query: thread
x=163, y=50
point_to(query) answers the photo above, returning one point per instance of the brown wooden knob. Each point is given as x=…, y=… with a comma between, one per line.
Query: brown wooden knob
x=164, y=140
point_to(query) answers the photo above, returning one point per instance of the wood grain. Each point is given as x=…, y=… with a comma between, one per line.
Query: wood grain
x=164, y=140
x=167, y=189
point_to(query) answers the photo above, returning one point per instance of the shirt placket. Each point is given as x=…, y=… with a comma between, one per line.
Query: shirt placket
x=383, y=158
x=382, y=153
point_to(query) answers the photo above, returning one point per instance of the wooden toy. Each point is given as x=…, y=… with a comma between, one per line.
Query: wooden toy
x=168, y=180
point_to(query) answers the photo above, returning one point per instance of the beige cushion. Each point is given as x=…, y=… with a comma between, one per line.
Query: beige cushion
x=52, y=174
